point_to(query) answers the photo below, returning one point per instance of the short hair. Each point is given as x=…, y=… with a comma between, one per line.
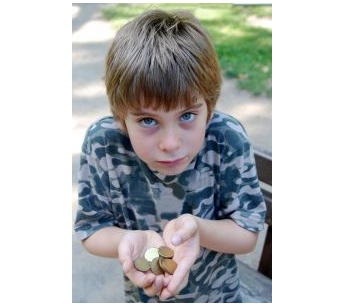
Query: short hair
x=161, y=60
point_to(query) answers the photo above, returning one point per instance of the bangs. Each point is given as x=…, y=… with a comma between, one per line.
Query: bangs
x=153, y=88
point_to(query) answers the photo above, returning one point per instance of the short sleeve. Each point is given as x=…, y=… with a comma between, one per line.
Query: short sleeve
x=241, y=198
x=94, y=204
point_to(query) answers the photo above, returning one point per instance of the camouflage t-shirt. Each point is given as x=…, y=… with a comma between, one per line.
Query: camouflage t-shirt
x=116, y=188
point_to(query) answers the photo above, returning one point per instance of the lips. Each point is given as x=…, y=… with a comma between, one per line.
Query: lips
x=171, y=163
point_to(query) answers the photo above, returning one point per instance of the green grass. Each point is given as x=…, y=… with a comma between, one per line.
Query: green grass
x=244, y=50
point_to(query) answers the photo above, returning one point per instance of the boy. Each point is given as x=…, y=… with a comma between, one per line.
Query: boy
x=167, y=169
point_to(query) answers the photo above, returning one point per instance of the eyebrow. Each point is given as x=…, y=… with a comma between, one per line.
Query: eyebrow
x=145, y=113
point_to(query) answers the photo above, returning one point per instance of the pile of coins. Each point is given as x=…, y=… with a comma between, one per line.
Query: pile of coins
x=158, y=260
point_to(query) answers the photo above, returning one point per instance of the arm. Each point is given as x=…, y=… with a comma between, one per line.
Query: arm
x=226, y=236
x=223, y=236
x=105, y=242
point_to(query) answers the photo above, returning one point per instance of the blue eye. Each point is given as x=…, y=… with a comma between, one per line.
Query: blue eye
x=148, y=122
x=188, y=117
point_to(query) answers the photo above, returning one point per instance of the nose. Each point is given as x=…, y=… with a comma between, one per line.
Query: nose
x=170, y=140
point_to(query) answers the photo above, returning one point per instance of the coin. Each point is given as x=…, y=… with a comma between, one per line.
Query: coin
x=166, y=252
x=141, y=264
x=151, y=253
x=168, y=265
x=155, y=267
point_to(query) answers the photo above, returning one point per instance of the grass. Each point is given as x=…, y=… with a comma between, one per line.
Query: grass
x=244, y=50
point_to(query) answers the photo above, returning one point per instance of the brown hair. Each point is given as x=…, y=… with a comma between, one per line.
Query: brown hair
x=161, y=60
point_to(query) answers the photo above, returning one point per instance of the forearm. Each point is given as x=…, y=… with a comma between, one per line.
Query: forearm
x=226, y=236
x=105, y=242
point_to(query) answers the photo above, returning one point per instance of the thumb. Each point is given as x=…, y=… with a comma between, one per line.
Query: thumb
x=186, y=227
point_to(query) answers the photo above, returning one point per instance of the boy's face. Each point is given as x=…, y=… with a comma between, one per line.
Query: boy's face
x=167, y=141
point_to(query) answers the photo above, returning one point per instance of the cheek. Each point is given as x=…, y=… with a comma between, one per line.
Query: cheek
x=198, y=142
x=141, y=146
x=195, y=139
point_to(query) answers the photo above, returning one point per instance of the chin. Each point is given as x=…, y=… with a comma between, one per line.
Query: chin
x=170, y=173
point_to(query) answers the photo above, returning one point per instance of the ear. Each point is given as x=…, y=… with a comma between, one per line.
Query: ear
x=120, y=124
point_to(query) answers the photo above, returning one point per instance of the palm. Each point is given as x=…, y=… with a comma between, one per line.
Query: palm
x=134, y=245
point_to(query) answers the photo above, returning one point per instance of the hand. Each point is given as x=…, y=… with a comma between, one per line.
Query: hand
x=182, y=235
x=133, y=245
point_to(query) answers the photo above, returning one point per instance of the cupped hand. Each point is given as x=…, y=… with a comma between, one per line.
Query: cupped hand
x=182, y=235
x=133, y=245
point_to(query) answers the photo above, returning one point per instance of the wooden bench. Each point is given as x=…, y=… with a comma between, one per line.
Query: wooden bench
x=257, y=285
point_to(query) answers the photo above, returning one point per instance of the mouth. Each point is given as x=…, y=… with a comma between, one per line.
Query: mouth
x=171, y=163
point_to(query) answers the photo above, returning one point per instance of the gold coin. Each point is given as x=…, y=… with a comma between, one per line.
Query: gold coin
x=160, y=262
x=168, y=265
x=151, y=253
x=141, y=264
x=166, y=252
x=155, y=267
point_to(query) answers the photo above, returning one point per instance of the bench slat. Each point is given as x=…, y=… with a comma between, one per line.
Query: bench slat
x=268, y=202
x=264, y=170
x=265, y=263
x=264, y=167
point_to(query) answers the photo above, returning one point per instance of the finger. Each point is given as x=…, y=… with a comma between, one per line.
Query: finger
x=186, y=228
x=138, y=278
x=166, y=280
x=155, y=288
x=179, y=278
x=165, y=294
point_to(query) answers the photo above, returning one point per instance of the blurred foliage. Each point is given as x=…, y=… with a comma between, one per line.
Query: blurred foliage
x=244, y=50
